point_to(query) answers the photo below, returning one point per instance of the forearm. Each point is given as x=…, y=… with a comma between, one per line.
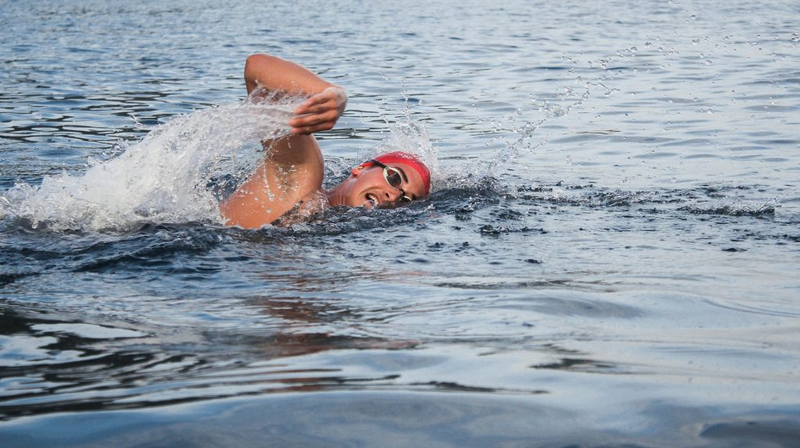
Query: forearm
x=326, y=101
x=273, y=73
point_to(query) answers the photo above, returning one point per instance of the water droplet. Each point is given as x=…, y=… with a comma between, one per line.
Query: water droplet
x=695, y=41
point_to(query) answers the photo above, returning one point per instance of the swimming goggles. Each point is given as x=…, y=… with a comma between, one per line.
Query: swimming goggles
x=394, y=178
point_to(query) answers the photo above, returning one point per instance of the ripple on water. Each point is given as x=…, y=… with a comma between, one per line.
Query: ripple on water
x=615, y=221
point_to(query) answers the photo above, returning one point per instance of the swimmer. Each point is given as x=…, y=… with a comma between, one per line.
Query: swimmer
x=288, y=183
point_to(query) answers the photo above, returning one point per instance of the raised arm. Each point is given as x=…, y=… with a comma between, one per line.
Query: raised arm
x=319, y=113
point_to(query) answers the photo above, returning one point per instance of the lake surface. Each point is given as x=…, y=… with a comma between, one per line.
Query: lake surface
x=609, y=256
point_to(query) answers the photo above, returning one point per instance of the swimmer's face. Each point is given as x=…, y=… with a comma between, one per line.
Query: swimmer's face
x=373, y=184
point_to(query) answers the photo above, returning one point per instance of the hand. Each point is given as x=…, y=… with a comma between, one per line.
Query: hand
x=320, y=112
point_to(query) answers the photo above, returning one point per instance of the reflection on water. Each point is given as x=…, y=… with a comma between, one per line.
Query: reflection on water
x=608, y=257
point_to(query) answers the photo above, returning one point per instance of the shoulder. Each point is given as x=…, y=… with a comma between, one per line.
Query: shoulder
x=295, y=151
x=291, y=172
x=296, y=164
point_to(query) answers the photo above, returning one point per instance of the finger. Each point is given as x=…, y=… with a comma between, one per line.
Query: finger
x=311, y=124
x=313, y=120
x=315, y=107
x=306, y=129
x=318, y=98
x=311, y=129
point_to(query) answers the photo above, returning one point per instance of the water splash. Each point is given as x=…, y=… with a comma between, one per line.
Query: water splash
x=162, y=179
x=411, y=137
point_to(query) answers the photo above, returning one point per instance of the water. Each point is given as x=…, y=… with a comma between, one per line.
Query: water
x=608, y=258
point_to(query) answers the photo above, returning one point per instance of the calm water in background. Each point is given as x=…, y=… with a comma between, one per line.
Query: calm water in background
x=609, y=257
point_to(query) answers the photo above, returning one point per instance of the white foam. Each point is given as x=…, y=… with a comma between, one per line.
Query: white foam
x=162, y=179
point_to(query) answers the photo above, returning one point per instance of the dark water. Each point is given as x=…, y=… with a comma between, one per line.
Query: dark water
x=609, y=257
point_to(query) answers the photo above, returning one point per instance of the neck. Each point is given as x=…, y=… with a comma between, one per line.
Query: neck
x=335, y=196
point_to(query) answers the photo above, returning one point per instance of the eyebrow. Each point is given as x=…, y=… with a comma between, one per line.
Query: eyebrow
x=402, y=173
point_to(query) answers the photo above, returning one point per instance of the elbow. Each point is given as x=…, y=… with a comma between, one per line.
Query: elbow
x=258, y=60
x=254, y=61
x=255, y=66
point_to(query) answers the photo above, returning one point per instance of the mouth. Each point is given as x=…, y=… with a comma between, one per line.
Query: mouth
x=371, y=201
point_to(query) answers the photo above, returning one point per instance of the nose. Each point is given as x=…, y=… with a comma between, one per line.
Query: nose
x=392, y=195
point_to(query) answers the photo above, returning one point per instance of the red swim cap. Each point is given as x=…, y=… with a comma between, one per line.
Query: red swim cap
x=410, y=160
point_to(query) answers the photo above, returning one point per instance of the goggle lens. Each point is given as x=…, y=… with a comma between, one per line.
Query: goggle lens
x=394, y=179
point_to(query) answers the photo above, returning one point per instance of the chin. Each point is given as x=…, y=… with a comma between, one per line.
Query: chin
x=354, y=202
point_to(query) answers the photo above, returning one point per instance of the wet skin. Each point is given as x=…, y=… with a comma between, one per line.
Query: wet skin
x=367, y=186
x=290, y=178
